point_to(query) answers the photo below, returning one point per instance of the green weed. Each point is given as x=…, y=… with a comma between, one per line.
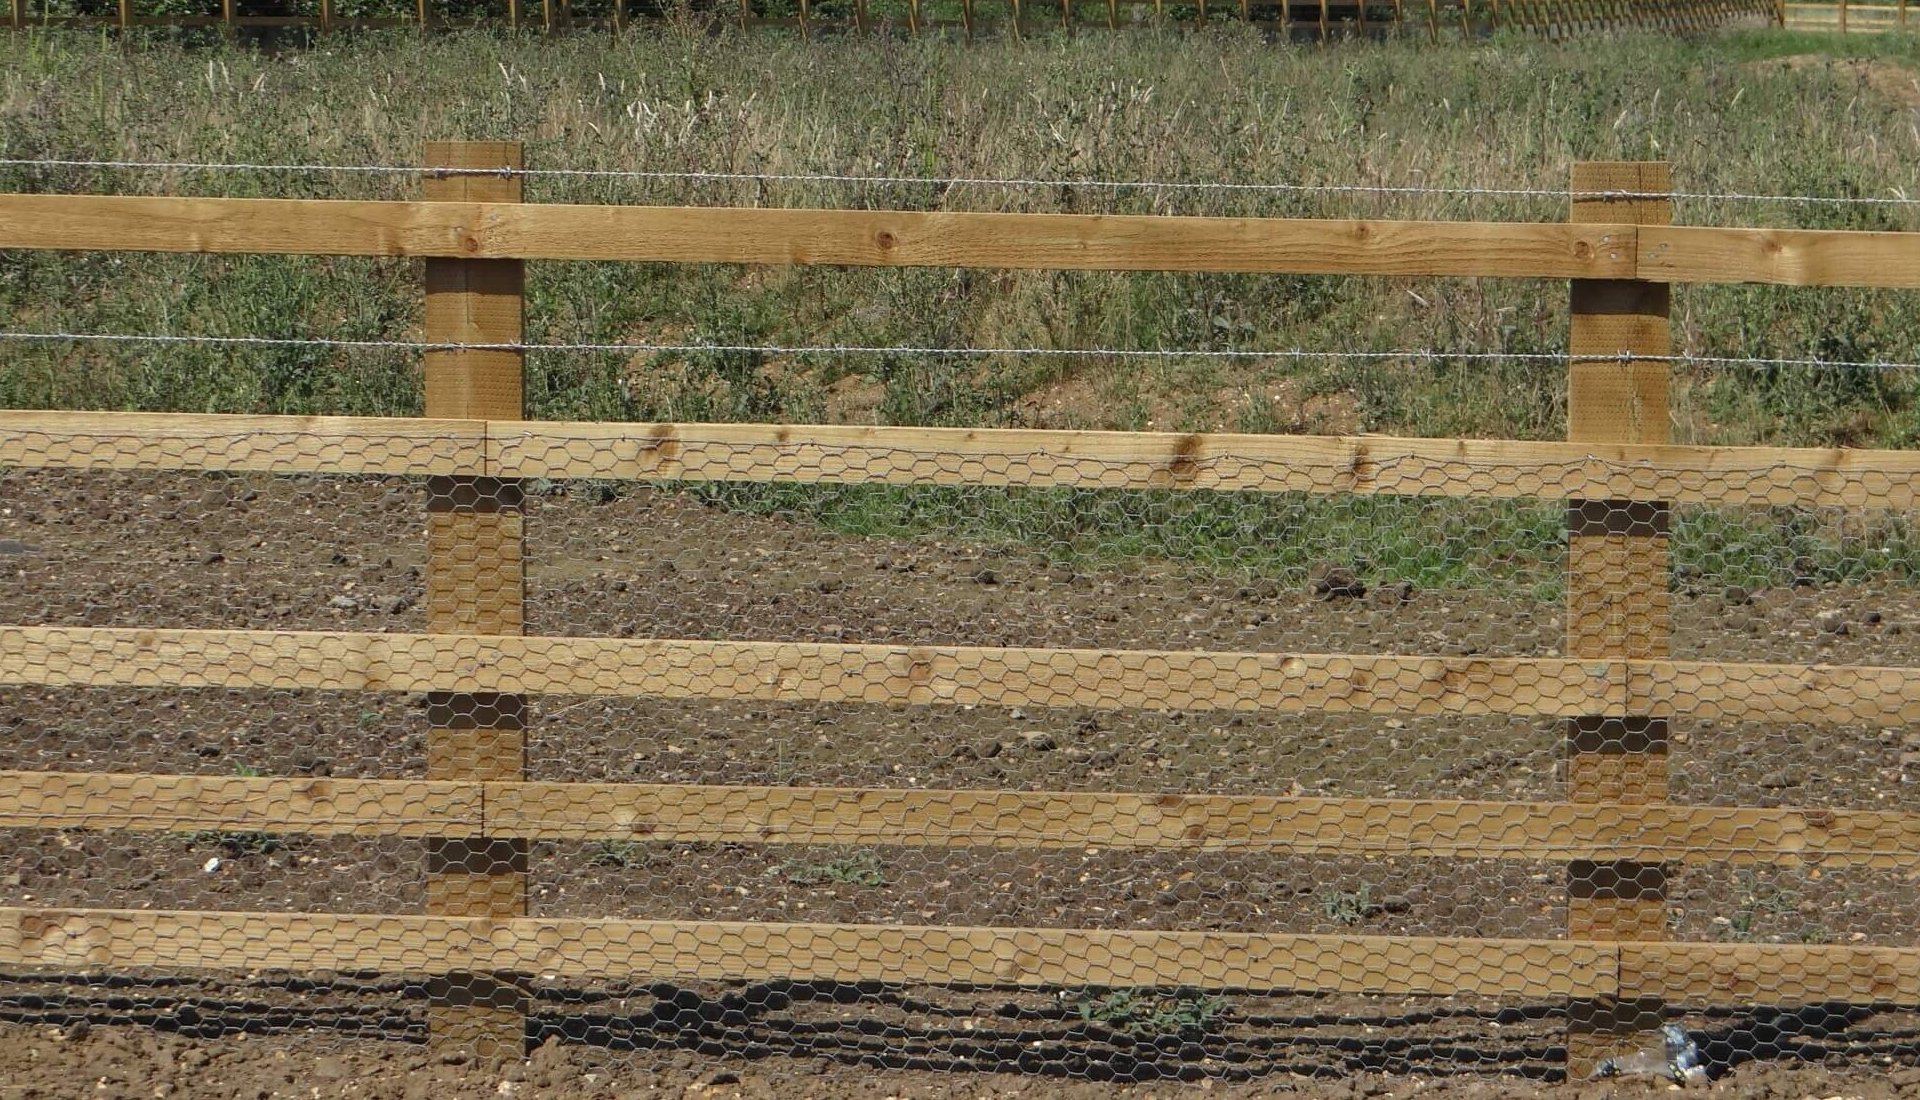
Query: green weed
x=1146, y=1012
x=859, y=869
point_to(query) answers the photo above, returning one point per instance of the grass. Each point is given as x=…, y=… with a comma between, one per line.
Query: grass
x=1729, y=112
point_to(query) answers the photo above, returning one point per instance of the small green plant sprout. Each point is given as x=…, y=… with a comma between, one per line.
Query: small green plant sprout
x=1759, y=900
x=615, y=853
x=245, y=770
x=1349, y=907
x=859, y=869
x=1146, y=1012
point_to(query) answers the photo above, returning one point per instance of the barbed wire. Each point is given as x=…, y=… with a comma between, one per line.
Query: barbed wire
x=933, y=351
x=1003, y=182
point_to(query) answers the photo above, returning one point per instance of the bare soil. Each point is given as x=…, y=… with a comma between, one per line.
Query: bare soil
x=347, y=554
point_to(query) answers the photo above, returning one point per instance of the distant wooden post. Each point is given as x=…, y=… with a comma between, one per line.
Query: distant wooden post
x=1843, y=16
x=126, y=16
x=226, y=19
x=1618, y=603
x=326, y=16
x=1433, y=20
x=475, y=585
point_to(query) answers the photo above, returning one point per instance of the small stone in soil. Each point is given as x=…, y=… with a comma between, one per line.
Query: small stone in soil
x=1328, y=582
x=1736, y=596
x=1397, y=594
x=1830, y=622
x=1774, y=781
x=986, y=576
x=1039, y=742
x=344, y=603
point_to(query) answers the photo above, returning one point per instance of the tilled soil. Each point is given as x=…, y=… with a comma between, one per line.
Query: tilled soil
x=346, y=555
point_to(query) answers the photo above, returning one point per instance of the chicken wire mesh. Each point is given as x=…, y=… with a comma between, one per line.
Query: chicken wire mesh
x=1043, y=769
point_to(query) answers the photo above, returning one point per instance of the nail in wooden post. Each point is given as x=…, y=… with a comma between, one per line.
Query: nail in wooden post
x=1618, y=604
x=475, y=586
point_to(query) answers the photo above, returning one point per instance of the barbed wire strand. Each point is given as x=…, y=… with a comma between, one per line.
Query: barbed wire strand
x=1404, y=354
x=1008, y=182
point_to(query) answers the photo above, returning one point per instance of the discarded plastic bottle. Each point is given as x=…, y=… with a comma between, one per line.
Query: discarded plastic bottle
x=1675, y=1058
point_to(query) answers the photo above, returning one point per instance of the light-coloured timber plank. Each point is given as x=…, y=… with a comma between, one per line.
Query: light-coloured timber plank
x=184, y=803
x=856, y=454
x=688, y=814
x=1438, y=828
x=1771, y=974
x=1790, y=257
x=787, y=236
x=240, y=444
x=828, y=672
x=717, y=951
x=78, y=656
x=1225, y=462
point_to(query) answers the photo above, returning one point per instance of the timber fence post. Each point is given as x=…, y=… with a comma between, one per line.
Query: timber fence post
x=1618, y=603
x=475, y=585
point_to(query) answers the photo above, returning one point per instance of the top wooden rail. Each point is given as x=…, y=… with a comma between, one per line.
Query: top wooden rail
x=887, y=238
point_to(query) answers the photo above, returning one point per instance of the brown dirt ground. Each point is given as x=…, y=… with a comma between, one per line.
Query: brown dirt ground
x=346, y=554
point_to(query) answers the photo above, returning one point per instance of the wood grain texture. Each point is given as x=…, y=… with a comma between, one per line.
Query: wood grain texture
x=1321, y=826
x=35, y=439
x=689, y=814
x=1772, y=974
x=467, y=230
x=184, y=803
x=910, y=675
x=1788, y=257
x=89, y=939
x=957, y=675
x=857, y=454
x=1659, y=254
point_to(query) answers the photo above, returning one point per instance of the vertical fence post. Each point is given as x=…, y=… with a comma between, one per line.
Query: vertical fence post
x=1618, y=603
x=475, y=586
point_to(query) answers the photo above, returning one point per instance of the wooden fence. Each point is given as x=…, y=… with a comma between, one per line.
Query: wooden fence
x=1847, y=16
x=1312, y=19
x=1615, y=688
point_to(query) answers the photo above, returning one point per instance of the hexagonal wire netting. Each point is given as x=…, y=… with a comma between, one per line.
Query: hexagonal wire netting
x=814, y=724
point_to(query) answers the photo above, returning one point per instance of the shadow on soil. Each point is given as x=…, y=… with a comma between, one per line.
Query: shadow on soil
x=883, y=1027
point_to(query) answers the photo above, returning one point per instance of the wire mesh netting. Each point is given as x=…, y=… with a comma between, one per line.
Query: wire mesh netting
x=1025, y=771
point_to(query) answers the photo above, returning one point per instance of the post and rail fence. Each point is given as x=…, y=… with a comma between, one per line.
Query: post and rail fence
x=1614, y=688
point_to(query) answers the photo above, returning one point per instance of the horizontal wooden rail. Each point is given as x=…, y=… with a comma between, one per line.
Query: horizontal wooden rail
x=1546, y=687
x=717, y=951
x=694, y=814
x=192, y=803
x=865, y=455
x=1789, y=257
x=1105, y=242
x=120, y=939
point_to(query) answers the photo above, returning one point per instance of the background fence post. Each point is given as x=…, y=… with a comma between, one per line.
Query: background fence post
x=475, y=586
x=1618, y=604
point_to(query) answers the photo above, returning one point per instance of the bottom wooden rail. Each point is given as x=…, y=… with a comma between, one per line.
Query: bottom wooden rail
x=118, y=939
x=1699, y=973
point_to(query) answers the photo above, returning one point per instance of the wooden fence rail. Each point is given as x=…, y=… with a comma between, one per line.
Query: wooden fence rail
x=931, y=818
x=1615, y=689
